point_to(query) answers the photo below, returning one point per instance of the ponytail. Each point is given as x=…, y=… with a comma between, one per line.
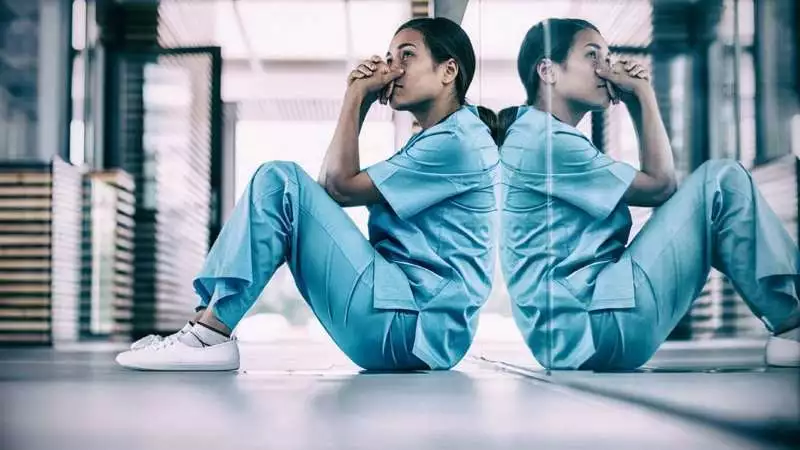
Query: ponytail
x=498, y=123
x=505, y=119
x=488, y=117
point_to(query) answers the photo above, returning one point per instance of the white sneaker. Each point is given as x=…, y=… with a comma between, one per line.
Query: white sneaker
x=155, y=338
x=172, y=354
x=783, y=352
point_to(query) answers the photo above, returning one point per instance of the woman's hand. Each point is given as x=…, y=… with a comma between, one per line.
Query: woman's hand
x=628, y=79
x=373, y=78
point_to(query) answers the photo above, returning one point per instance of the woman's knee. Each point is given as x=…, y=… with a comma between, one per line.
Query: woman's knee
x=728, y=173
x=276, y=172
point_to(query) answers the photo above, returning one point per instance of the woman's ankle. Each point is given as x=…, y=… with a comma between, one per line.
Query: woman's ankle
x=209, y=319
x=199, y=312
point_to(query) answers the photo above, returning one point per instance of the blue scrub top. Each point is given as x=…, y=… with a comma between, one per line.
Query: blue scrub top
x=436, y=232
x=571, y=247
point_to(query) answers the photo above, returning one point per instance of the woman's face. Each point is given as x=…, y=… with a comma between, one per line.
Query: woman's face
x=422, y=80
x=575, y=78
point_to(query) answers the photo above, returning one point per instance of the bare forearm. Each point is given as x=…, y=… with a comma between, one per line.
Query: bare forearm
x=655, y=152
x=341, y=159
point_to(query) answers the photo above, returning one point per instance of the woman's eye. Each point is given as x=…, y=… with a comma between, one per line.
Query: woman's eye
x=592, y=54
x=406, y=54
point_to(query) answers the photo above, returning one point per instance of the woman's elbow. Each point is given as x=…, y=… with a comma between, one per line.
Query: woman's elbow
x=335, y=194
x=334, y=187
x=668, y=187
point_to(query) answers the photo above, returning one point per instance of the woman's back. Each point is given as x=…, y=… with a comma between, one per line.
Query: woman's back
x=562, y=216
x=585, y=221
x=439, y=223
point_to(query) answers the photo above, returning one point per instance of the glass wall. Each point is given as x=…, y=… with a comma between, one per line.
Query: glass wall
x=285, y=65
x=497, y=29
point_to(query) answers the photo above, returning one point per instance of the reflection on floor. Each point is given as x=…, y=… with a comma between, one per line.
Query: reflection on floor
x=307, y=395
x=722, y=383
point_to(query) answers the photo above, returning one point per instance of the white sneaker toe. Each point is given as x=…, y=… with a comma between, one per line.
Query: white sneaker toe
x=782, y=352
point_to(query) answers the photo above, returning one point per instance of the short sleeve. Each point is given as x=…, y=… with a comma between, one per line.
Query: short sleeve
x=426, y=172
x=585, y=177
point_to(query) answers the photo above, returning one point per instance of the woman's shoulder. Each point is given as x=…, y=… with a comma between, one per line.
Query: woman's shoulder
x=530, y=130
x=457, y=143
x=471, y=130
x=467, y=119
x=534, y=119
x=462, y=129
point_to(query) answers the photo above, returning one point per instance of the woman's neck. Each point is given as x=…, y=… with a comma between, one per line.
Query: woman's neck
x=428, y=117
x=561, y=109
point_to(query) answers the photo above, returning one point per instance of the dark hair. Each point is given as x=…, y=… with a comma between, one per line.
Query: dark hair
x=446, y=39
x=498, y=123
x=488, y=117
x=562, y=36
x=505, y=118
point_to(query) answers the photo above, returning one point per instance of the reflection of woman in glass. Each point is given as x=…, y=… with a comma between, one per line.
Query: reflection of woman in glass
x=581, y=297
x=406, y=298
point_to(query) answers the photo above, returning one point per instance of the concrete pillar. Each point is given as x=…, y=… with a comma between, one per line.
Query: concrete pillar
x=20, y=131
x=451, y=9
x=230, y=112
x=680, y=75
x=776, y=77
x=4, y=125
x=53, y=91
x=19, y=33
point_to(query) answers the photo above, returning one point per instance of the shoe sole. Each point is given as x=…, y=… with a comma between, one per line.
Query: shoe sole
x=184, y=368
x=787, y=365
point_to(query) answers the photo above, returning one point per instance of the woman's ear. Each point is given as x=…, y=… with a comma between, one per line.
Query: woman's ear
x=546, y=71
x=450, y=71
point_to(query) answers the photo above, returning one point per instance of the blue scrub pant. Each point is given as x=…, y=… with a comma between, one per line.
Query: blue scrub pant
x=716, y=219
x=285, y=216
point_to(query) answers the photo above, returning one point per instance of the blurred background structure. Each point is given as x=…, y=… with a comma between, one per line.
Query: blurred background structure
x=129, y=128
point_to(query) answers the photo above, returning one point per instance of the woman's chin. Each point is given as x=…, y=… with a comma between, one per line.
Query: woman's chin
x=397, y=105
x=602, y=104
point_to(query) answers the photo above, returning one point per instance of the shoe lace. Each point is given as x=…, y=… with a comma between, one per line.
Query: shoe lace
x=147, y=340
x=165, y=342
